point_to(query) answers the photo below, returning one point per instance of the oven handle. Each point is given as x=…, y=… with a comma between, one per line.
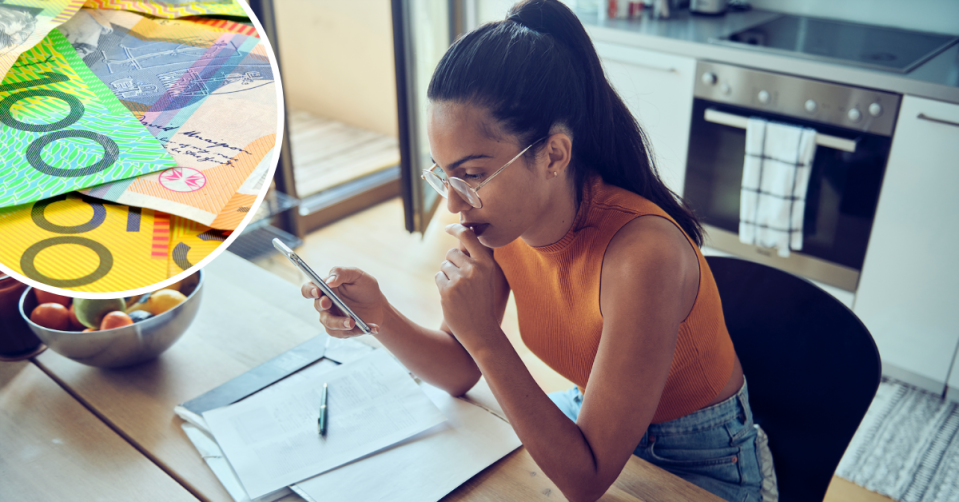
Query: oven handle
x=732, y=120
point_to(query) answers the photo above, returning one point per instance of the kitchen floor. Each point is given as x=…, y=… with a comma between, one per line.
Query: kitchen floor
x=404, y=265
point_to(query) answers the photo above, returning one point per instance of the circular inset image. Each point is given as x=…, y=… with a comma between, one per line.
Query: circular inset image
x=139, y=139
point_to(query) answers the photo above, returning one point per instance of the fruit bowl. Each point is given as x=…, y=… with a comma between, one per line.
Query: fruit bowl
x=126, y=345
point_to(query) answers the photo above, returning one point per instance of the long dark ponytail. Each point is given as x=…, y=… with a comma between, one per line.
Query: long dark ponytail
x=537, y=69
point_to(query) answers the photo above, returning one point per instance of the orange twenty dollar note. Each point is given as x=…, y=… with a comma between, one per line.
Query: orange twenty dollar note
x=206, y=92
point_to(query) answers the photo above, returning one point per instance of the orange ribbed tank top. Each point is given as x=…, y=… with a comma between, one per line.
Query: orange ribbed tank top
x=556, y=288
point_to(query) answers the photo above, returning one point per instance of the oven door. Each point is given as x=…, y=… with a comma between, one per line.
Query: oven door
x=840, y=204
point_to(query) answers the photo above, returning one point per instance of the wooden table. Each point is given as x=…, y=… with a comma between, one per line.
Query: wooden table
x=246, y=317
x=55, y=449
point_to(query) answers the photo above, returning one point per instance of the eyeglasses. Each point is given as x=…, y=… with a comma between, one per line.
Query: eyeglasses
x=469, y=194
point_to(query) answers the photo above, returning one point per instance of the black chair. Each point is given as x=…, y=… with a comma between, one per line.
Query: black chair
x=812, y=367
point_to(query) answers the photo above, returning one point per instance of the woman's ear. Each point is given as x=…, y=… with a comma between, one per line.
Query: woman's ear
x=559, y=151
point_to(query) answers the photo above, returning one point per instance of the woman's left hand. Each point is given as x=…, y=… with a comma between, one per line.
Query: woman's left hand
x=470, y=283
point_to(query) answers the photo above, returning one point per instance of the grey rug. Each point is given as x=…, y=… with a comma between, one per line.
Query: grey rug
x=907, y=446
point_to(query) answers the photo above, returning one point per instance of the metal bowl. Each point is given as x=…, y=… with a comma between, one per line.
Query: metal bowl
x=123, y=346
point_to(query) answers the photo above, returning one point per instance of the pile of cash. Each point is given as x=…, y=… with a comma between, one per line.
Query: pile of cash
x=135, y=136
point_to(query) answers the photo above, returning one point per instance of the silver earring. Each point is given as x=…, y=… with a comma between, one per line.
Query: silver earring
x=555, y=173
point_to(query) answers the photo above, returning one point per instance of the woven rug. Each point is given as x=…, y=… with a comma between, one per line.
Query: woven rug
x=907, y=446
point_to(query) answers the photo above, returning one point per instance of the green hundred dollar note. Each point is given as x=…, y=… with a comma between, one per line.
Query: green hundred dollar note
x=23, y=23
x=63, y=130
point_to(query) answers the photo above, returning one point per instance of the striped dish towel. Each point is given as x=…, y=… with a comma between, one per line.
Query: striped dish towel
x=775, y=177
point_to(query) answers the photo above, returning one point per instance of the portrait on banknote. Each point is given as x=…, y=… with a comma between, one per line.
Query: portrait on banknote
x=83, y=30
x=16, y=26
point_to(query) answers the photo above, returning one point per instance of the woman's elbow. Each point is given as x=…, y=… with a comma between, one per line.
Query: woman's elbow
x=584, y=494
x=586, y=490
x=462, y=385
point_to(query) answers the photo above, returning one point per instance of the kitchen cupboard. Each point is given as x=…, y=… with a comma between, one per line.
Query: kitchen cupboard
x=907, y=290
x=658, y=90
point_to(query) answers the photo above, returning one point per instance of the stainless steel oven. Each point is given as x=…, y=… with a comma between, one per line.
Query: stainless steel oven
x=854, y=132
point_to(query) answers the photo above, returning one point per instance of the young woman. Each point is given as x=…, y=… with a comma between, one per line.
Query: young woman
x=559, y=203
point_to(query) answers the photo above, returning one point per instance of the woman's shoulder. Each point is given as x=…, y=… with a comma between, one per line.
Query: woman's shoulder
x=650, y=240
x=652, y=250
x=606, y=197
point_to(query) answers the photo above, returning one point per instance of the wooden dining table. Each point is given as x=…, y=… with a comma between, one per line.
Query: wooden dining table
x=92, y=433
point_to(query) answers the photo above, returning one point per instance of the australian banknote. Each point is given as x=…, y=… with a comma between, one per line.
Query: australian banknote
x=85, y=244
x=63, y=130
x=80, y=243
x=172, y=8
x=205, y=91
x=191, y=242
x=24, y=23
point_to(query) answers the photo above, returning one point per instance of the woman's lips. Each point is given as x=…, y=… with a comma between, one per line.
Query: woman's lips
x=477, y=228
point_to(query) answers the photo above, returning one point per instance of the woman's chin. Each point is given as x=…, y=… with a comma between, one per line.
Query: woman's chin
x=490, y=240
x=487, y=239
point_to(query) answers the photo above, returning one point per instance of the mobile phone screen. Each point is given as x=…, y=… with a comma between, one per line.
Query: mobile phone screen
x=319, y=282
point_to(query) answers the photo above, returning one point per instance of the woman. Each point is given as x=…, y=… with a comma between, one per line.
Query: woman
x=560, y=203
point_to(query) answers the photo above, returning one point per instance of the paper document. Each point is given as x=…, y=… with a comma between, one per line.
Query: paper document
x=213, y=456
x=425, y=467
x=271, y=438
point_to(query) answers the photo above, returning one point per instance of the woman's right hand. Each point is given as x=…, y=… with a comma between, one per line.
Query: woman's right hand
x=359, y=291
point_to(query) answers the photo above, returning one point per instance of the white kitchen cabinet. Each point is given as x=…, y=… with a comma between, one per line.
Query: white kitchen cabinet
x=658, y=90
x=907, y=294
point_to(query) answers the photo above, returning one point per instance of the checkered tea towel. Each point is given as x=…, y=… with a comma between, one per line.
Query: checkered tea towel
x=775, y=177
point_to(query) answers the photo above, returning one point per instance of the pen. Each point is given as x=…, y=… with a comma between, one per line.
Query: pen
x=321, y=422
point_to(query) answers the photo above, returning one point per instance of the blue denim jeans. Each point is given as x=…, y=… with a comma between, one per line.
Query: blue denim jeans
x=715, y=448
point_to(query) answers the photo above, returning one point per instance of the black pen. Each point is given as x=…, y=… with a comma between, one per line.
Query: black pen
x=321, y=422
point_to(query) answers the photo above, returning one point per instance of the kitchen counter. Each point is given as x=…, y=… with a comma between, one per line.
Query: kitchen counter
x=688, y=35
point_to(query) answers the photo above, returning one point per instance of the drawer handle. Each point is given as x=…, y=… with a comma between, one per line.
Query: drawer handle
x=648, y=66
x=923, y=116
x=733, y=120
x=663, y=68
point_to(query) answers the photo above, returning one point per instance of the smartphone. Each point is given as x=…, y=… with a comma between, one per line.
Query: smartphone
x=320, y=283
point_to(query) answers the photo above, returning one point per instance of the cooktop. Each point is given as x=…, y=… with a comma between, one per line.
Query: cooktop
x=876, y=47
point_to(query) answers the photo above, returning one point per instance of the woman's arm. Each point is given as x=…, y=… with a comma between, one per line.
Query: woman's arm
x=433, y=355
x=648, y=271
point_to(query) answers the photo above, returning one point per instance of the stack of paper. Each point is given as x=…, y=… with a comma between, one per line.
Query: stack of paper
x=382, y=426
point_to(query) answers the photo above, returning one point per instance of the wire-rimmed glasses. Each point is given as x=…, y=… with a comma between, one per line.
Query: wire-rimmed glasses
x=469, y=194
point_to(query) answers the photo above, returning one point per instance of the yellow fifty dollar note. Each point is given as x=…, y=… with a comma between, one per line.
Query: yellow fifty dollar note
x=84, y=244
x=191, y=242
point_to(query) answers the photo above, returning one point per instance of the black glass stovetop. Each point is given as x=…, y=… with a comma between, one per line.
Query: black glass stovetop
x=876, y=47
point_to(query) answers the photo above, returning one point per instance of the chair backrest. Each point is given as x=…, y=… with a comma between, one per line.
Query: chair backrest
x=812, y=367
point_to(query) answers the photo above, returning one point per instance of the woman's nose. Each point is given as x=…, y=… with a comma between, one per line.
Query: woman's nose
x=455, y=202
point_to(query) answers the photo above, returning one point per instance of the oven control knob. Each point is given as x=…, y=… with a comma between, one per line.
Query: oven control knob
x=875, y=109
x=811, y=106
x=763, y=97
x=709, y=78
x=854, y=114
x=725, y=88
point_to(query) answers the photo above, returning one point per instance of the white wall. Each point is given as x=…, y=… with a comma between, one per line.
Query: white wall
x=492, y=10
x=337, y=59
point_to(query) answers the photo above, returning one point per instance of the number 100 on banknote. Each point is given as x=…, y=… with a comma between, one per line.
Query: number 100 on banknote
x=63, y=130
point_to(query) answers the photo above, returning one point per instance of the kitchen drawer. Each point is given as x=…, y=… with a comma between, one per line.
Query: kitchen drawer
x=658, y=90
x=907, y=290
